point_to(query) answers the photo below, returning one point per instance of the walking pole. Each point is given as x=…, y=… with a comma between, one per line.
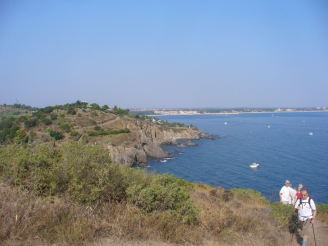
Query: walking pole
x=315, y=241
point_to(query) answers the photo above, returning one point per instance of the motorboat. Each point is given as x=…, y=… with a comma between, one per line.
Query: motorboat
x=254, y=165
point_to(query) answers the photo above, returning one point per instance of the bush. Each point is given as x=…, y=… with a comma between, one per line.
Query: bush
x=47, y=121
x=162, y=194
x=121, y=112
x=95, y=106
x=283, y=213
x=53, y=116
x=90, y=174
x=85, y=173
x=97, y=128
x=21, y=136
x=66, y=127
x=56, y=135
x=322, y=210
x=105, y=107
x=30, y=122
x=71, y=111
x=8, y=129
x=249, y=195
x=74, y=133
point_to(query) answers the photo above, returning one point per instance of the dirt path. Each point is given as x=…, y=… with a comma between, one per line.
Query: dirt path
x=321, y=233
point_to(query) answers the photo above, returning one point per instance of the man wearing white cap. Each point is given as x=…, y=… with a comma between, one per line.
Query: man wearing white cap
x=285, y=193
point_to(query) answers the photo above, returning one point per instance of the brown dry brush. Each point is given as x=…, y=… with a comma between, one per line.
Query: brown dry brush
x=29, y=220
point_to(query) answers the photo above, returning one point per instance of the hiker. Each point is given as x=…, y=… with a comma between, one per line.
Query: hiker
x=298, y=193
x=285, y=194
x=306, y=214
x=293, y=196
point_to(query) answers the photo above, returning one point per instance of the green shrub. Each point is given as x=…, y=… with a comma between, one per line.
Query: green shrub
x=74, y=133
x=105, y=107
x=164, y=193
x=71, y=111
x=95, y=106
x=86, y=175
x=65, y=127
x=21, y=136
x=53, y=116
x=47, y=121
x=90, y=174
x=283, y=213
x=56, y=135
x=249, y=195
x=97, y=128
x=322, y=210
x=118, y=111
x=30, y=122
x=8, y=129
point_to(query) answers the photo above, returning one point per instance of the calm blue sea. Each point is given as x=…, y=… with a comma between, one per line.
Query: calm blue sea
x=290, y=146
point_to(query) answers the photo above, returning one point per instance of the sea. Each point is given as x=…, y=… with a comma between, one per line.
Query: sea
x=291, y=146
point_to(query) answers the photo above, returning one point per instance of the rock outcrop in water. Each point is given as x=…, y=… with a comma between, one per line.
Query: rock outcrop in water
x=146, y=140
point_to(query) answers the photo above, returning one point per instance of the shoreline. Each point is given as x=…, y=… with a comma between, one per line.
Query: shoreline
x=237, y=113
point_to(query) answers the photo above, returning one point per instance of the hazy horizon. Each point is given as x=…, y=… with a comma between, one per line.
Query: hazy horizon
x=165, y=54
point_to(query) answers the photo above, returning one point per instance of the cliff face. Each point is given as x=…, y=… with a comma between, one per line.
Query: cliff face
x=146, y=141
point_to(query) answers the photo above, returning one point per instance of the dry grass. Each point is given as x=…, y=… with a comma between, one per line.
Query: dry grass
x=31, y=220
x=228, y=218
x=223, y=220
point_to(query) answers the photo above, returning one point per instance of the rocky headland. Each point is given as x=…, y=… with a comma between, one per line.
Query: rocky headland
x=146, y=140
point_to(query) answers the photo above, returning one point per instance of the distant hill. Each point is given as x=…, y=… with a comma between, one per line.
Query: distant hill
x=130, y=138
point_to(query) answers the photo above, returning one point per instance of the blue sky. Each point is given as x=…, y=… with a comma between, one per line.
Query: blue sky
x=181, y=53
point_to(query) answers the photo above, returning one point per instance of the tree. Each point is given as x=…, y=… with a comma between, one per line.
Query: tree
x=105, y=107
x=95, y=106
x=55, y=134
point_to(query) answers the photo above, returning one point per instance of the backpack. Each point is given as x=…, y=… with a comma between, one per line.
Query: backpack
x=300, y=202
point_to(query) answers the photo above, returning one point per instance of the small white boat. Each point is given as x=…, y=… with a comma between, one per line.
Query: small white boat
x=163, y=160
x=310, y=133
x=268, y=126
x=254, y=165
x=226, y=123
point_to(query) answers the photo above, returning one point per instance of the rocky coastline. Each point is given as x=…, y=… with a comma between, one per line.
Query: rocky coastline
x=149, y=139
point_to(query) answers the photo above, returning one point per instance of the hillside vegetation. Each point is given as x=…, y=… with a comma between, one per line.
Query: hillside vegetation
x=69, y=121
x=130, y=138
x=73, y=194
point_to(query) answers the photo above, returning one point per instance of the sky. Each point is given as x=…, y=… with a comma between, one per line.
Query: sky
x=165, y=54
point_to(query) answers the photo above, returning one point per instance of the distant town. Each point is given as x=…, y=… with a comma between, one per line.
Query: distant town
x=215, y=111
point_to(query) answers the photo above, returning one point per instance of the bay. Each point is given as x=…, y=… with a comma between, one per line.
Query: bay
x=290, y=146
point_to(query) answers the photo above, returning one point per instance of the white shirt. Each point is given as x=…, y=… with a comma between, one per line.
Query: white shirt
x=293, y=194
x=305, y=210
x=285, y=194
